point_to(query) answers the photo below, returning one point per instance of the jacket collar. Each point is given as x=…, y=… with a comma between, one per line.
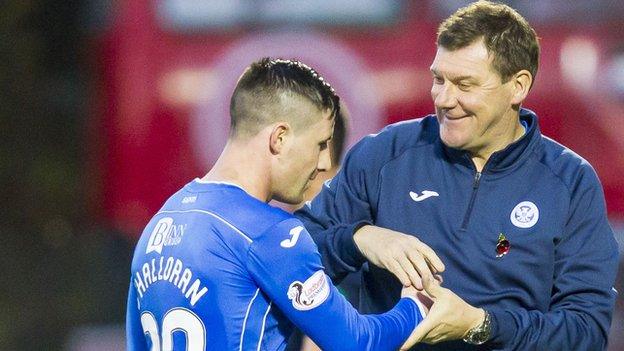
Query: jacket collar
x=510, y=156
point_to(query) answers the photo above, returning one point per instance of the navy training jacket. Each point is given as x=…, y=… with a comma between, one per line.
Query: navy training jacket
x=551, y=289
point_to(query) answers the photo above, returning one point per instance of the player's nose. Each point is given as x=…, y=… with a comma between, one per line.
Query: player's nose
x=324, y=162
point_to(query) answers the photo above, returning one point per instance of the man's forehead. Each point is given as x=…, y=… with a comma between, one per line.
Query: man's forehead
x=326, y=125
x=468, y=61
x=330, y=122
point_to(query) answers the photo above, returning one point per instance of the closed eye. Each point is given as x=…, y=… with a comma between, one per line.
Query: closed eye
x=463, y=86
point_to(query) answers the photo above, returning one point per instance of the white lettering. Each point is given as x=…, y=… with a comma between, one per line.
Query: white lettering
x=193, y=291
x=147, y=278
x=160, y=268
x=177, y=268
x=168, y=268
x=184, y=281
x=175, y=235
x=153, y=271
x=189, y=199
x=173, y=272
x=138, y=284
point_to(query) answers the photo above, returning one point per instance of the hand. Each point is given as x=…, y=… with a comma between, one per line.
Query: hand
x=449, y=318
x=423, y=299
x=420, y=296
x=408, y=258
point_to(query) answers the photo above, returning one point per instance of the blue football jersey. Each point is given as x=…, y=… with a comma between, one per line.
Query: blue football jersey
x=217, y=269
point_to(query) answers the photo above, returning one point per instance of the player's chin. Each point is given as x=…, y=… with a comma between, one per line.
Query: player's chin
x=293, y=199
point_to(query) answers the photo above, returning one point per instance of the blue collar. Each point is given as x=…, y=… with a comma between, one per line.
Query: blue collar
x=510, y=156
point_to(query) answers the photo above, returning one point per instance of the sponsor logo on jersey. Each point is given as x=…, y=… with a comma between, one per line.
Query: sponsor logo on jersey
x=165, y=233
x=294, y=236
x=524, y=215
x=309, y=294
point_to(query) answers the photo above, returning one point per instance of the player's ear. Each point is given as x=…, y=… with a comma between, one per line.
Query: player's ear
x=278, y=137
x=521, y=84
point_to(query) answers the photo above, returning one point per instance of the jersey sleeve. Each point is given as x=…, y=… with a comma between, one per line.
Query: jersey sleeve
x=135, y=338
x=286, y=265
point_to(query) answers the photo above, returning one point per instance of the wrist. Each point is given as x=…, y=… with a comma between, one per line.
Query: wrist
x=477, y=320
x=358, y=230
x=354, y=256
x=422, y=308
x=481, y=330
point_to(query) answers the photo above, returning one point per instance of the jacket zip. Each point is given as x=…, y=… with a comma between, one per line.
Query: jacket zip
x=475, y=187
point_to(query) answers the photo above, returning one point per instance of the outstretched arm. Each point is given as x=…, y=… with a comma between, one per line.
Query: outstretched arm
x=294, y=279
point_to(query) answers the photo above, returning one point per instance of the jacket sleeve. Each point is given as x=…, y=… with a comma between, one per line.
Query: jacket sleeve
x=343, y=205
x=583, y=296
x=287, y=268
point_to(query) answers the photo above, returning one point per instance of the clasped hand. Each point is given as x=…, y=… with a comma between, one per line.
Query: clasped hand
x=449, y=317
x=417, y=266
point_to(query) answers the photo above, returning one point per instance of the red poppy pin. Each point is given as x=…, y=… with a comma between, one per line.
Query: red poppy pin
x=502, y=246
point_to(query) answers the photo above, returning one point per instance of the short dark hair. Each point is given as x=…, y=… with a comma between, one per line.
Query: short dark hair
x=337, y=142
x=261, y=94
x=506, y=34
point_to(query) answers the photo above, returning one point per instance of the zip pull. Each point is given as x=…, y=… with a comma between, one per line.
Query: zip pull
x=475, y=184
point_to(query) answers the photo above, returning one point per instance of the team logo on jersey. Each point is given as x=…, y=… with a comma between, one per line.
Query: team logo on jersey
x=165, y=233
x=294, y=236
x=309, y=294
x=524, y=215
x=425, y=195
x=327, y=183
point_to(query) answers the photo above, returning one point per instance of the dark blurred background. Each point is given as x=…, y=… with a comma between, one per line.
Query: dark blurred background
x=107, y=107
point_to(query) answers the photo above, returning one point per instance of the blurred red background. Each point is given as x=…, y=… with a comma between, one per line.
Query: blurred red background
x=166, y=92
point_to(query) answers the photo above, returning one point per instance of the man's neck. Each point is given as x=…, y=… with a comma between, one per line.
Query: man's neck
x=239, y=166
x=503, y=140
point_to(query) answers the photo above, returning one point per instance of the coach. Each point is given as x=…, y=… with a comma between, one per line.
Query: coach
x=514, y=222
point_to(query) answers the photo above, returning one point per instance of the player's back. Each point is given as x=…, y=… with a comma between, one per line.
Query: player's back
x=190, y=289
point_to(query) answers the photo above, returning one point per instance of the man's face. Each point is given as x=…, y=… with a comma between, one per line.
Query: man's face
x=472, y=104
x=305, y=155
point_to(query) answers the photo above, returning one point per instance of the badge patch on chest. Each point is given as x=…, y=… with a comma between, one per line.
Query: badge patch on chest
x=524, y=215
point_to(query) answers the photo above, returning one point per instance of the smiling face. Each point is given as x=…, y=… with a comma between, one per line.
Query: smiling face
x=474, y=107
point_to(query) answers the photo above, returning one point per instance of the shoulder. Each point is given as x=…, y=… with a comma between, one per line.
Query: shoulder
x=395, y=139
x=283, y=243
x=254, y=217
x=572, y=170
x=228, y=207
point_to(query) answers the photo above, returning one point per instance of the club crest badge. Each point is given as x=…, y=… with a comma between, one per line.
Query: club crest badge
x=524, y=215
x=309, y=294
